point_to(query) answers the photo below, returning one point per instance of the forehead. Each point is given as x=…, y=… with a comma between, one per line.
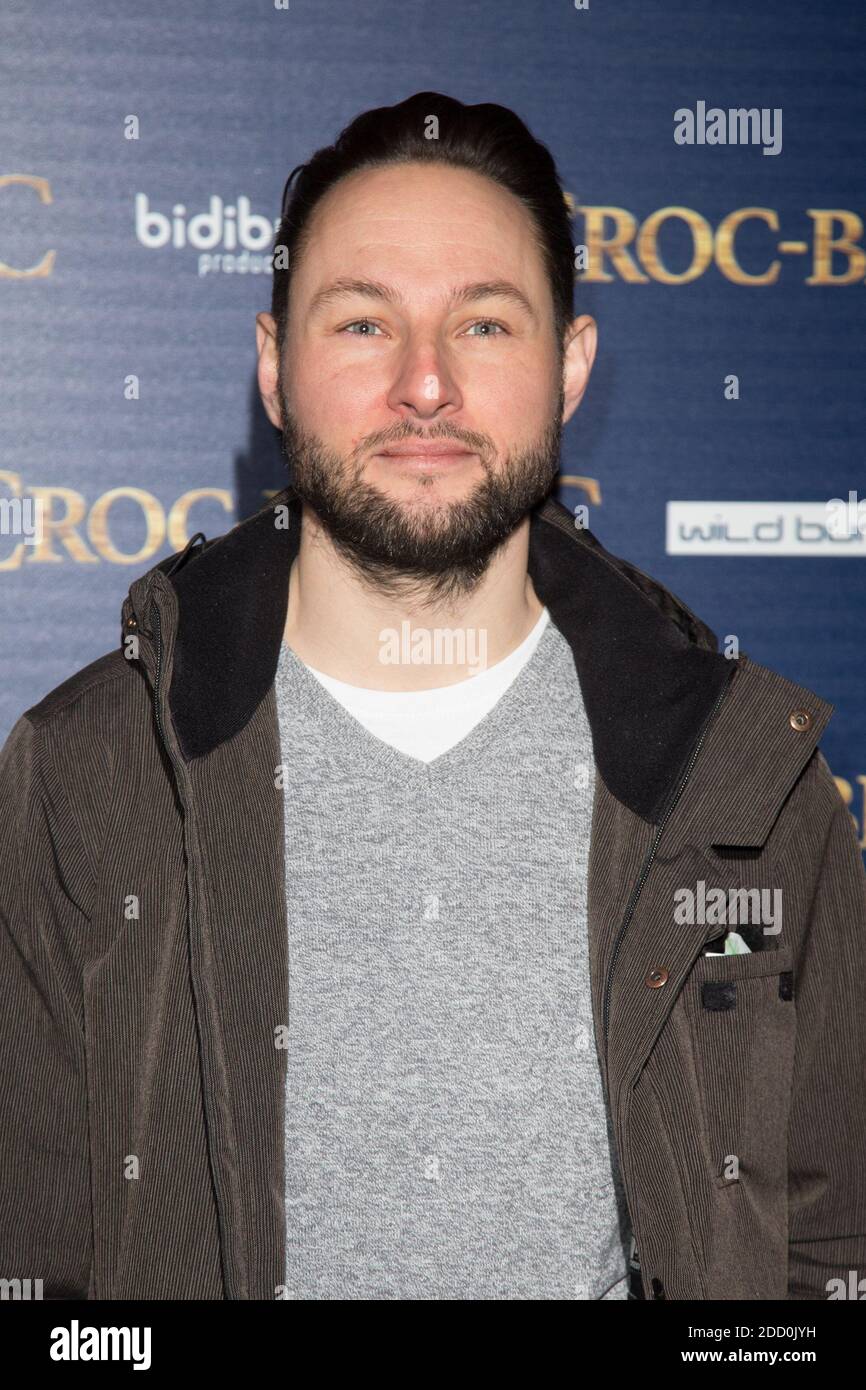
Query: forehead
x=420, y=223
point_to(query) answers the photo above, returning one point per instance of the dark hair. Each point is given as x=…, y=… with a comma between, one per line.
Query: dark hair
x=486, y=138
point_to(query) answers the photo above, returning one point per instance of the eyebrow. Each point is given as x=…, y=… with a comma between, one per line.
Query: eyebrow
x=344, y=288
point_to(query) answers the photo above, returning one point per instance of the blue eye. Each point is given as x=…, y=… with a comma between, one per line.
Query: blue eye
x=486, y=323
x=364, y=323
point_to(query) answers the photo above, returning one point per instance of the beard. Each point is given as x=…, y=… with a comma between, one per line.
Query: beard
x=430, y=553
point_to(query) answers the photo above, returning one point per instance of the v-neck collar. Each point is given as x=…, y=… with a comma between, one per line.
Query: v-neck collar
x=348, y=737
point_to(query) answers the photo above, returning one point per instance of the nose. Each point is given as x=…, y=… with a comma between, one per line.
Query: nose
x=424, y=386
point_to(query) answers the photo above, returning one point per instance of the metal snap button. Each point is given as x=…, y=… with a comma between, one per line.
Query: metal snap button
x=800, y=719
x=657, y=977
x=131, y=622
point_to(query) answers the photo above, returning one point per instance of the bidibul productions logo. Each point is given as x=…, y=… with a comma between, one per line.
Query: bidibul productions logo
x=229, y=238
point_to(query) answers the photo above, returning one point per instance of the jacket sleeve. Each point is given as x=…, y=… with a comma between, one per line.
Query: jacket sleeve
x=45, y=1212
x=827, y=1128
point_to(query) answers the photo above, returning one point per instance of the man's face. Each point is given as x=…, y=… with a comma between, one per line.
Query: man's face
x=381, y=354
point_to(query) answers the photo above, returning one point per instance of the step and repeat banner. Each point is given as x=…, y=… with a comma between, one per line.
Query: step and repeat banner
x=713, y=158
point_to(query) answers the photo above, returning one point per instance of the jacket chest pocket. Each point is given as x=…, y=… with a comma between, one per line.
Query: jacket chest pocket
x=741, y=1015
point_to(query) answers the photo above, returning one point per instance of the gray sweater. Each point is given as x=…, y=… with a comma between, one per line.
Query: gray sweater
x=446, y=1131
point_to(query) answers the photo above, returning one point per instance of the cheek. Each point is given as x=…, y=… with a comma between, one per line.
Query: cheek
x=512, y=407
x=334, y=403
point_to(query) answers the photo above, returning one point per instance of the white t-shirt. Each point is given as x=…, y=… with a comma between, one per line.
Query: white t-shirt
x=425, y=723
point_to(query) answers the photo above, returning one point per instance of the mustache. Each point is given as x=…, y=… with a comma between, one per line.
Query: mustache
x=476, y=443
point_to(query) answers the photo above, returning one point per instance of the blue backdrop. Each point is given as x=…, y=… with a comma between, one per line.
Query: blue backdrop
x=728, y=284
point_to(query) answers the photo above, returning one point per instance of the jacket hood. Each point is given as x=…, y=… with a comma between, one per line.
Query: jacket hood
x=649, y=670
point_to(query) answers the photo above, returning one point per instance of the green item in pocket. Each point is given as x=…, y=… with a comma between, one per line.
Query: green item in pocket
x=735, y=945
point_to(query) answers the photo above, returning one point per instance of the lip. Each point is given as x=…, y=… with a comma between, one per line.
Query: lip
x=428, y=462
x=427, y=451
x=435, y=458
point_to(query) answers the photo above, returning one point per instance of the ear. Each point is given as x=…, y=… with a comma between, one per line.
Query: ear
x=266, y=347
x=581, y=344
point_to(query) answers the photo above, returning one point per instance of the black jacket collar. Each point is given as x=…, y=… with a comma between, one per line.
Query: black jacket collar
x=648, y=668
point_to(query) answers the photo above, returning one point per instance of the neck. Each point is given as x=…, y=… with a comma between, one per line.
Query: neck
x=345, y=628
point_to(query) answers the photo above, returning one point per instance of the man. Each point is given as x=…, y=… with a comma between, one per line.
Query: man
x=376, y=919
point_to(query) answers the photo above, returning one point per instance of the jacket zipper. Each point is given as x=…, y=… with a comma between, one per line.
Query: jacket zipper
x=222, y=1205
x=650, y=856
x=157, y=622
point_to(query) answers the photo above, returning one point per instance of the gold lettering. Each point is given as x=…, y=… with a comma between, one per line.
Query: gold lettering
x=826, y=244
x=97, y=526
x=702, y=238
x=177, y=518
x=614, y=246
x=61, y=528
x=846, y=791
x=46, y=265
x=726, y=256
x=589, y=485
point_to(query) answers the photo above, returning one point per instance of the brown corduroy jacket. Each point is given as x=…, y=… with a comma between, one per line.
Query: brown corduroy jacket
x=144, y=961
